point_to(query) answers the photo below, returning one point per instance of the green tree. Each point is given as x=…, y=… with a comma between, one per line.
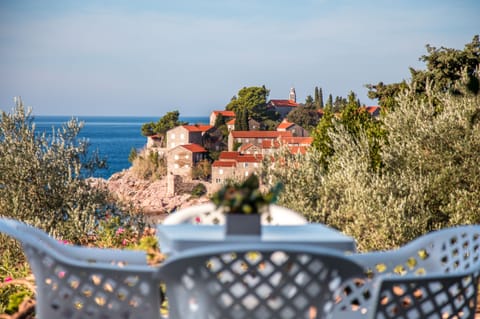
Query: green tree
x=168, y=121
x=309, y=103
x=305, y=117
x=447, y=70
x=321, y=137
x=42, y=176
x=320, y=99
x=254, y=100
x=329, y=103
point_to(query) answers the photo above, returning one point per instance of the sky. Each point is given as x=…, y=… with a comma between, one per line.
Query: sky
x=148, y=57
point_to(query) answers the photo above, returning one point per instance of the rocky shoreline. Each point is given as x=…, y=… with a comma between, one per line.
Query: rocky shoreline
x=144, y=196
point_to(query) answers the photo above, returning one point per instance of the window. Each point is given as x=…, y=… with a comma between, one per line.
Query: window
x=175, y=166
x=255, y=164
x=246, y=173
x=245, y=165
x=172, y=135
x=220, y=171
x=218, y=180
x=182, y=136
x=186, y=156
x=176, y=156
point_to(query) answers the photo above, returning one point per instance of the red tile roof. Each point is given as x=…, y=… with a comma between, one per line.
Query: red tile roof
x=197, y=127
x=224, y=164
x=225, y=113
x=284, y=125
x=372, y=109
x=270, y=144
x=231, y=122
x=245, y=147
x=298, y=140
x=249, y=158
x=298, y=149
x=283, y=103
x=194, y=148
x=228, y=155
x=259, y=134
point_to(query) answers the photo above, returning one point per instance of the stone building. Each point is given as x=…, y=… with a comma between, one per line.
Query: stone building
x=182, y=158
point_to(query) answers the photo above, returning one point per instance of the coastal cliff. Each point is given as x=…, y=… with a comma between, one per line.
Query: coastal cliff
x=148, y=197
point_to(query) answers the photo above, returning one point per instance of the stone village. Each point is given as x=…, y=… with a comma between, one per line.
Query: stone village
x=186, y=146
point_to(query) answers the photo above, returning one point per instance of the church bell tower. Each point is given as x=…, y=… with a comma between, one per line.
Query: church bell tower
x=292, y=96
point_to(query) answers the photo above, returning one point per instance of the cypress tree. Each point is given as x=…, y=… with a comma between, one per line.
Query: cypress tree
x=317, y=98
x=320, y=99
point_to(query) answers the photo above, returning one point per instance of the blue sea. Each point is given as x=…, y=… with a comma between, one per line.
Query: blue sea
x=112, y=136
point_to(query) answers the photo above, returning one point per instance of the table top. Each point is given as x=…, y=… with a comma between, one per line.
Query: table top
x=175, y=238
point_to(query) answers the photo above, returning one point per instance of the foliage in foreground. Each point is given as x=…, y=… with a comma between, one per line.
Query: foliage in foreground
x=42, y=182
x=430, y=177
x=42, y=176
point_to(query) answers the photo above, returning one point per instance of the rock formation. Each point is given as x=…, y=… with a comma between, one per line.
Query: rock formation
x=148, y=197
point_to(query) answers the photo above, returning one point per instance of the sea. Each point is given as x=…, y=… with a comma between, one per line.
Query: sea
x=113, y=137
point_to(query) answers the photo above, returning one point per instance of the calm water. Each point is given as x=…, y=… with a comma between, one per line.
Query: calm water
x=112, y=136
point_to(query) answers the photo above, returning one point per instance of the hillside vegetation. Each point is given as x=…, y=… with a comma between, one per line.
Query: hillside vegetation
x=425, y=153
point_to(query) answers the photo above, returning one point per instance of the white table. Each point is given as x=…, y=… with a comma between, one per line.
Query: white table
x=175, y=238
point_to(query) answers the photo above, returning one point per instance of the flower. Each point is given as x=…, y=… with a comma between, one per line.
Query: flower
x=7, y=279
x=119, y=231
x=245, y=197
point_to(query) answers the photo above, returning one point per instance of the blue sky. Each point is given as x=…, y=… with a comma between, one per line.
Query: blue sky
x=147, y=57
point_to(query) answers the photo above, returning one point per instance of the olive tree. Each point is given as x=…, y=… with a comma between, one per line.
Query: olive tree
x=42, y=176
x=429, y=178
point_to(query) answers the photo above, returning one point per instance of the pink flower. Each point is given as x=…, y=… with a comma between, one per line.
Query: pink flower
x=119, y=231
x=7, y=279
x=124, y=242
x=197, y=220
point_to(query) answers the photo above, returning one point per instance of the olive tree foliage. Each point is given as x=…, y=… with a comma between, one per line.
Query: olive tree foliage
x=445, y=68
x=429, y=178
x=41, y=176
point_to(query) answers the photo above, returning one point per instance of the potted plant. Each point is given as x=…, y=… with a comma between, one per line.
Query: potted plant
x=243, y=203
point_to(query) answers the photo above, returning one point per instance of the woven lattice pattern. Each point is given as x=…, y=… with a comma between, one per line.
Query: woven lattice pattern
x=255, y=283
x=77, y=282
x=442, y=298
x=435, y=276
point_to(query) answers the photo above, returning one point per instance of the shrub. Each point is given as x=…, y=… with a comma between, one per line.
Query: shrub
x=149, y=165
x=429, y=178
x=42, y=176
x=199, y=190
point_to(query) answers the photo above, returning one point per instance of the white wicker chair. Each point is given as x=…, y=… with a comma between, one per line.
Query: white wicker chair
x=435, y=276
x=260, y=280
x=81, y=282
x=208, y=214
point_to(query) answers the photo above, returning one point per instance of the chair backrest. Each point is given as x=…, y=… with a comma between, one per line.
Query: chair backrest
x=208, y=214
x=255, y=281
x=81, y=282
x=435, y=276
